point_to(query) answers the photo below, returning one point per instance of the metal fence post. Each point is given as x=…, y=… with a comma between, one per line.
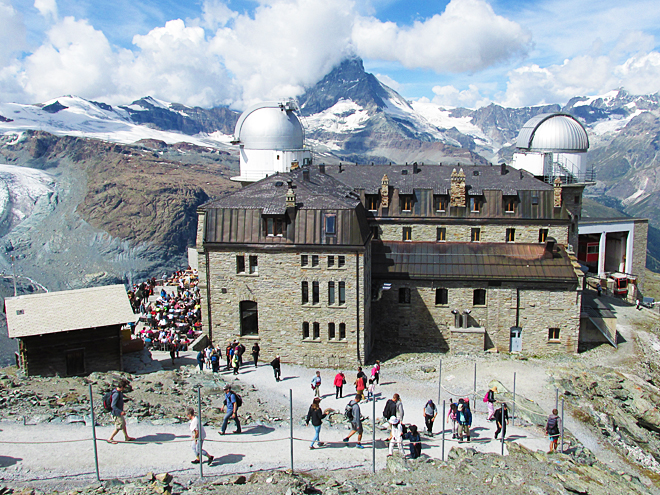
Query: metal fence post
x=96, y=454
x=443, y=430
x=474, y=400
x=502, y=425
x=556, y=398
x=562, y=425
x=440, y=383
x=373, y=436
x=291, y=426
x=199, y=436
x=513, y=413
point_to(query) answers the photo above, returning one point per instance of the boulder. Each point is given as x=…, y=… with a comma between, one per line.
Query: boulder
x=164, y=477
x=397, y=464
x=241, y=480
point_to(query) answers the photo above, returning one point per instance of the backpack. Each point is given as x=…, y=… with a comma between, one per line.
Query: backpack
x=390, y=409
x=486, y=396
x=107, y=401
x=348, y=412
x=239, y=399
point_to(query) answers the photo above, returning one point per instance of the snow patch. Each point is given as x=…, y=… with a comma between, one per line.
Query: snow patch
x=343, y=116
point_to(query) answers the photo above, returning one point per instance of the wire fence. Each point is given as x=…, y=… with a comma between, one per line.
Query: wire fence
x=439, y=437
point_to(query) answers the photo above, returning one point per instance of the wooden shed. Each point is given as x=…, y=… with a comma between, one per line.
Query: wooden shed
x=69, y=333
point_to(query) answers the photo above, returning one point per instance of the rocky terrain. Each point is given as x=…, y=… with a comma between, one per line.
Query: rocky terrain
x=118, y=212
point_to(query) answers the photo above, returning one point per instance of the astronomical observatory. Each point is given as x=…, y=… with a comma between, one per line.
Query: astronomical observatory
x=271, y=140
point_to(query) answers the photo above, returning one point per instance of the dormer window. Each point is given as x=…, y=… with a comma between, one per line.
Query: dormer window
x=274, y=226
x=475, y=205
x=406, y=202
x=510, y=205
x=440, y=203
x=330, y=224
x=371, y=201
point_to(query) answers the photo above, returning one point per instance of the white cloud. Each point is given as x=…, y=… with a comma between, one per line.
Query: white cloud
x=215, y=14
x=449, y=96
x=388, y=81
x=467, y=36
x=47, y=8
x=76, y=59
x=286, y=46
x=12, y=32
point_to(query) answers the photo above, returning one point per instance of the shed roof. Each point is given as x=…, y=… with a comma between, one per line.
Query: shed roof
x=470, y=261
x=53, y=312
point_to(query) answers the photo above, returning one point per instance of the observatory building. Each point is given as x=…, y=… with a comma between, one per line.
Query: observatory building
x=271, y=140
x=553, y=145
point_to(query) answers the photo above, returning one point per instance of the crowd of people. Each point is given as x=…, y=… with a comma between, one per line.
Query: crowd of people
x=211, y=357
x=171, y=320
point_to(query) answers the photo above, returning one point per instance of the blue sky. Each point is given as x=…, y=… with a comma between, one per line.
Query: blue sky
x=210, y=52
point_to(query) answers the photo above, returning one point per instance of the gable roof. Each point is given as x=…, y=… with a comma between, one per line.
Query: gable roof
x=54, y=312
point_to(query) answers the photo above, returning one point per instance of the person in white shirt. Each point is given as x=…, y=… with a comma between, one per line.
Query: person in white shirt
x=197, y=435
x=397, y=434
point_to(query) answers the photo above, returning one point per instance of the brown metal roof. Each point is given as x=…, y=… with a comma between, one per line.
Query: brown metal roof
x=470, y=261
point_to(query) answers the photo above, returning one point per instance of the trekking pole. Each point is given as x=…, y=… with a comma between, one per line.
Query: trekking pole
x=443, y=430
x=96, y=454
x=373, y=436
x=199, y=431
x=291, y=426
x=502, y=426
x=562, y=425
x=513, y=413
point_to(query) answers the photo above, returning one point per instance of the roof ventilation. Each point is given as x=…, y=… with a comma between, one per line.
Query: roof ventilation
x=279, y=183
x=306, y=175
x=476, y=173
x=503, y=170
x=404, y=172
x=322, y=168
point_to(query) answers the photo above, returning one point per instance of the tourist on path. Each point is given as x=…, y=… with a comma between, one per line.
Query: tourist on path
x=232, y=410
x=415, y=442
x=360, y=385
x=490, y=398
x=228, y=351
x=340, y=381
x=464, y=418
x=356, y=422
x=399, y=407
x=240, y=350
x=255, y=353
x=452, y=416
x=316, y=384
x=200, y=360
x=371, y=387
x=375, y=372
x=430, y=412
x=396, y=437
x=501, y=419
x=118, y=412
x=315, y=415
x=235, y=362
x=209, y=351
x=553, y=429
x=275, y=363
x=197, y=435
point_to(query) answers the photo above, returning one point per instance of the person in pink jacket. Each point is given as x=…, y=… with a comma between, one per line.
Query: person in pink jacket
x=340, y=381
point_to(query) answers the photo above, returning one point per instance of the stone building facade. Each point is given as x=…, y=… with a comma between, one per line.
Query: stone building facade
x=323, y=263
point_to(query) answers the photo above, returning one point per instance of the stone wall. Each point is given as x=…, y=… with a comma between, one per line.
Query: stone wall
x=462, y=233
x=423, y=324
x=277, y=291
x=467, y=340
x=639, y=251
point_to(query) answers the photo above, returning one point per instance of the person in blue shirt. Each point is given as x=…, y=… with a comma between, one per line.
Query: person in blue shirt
x=232, y=410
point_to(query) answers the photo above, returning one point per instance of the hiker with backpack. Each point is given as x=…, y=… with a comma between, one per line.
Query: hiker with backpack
x=452, y=416
x=389, y=411
x=490, y=399
x=352, y=413
x=430, y=412
x=316, y=384
x=553, y=429
x=232, y=402
x=113, y=402
x=315, y=415
x=275, y=363
x=375, y=372
x=464, y=417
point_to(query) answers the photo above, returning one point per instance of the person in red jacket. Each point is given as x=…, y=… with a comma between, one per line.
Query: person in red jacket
x=340, y=381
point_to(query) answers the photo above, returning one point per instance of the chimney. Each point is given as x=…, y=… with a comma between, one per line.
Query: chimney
x=290, y=195
x=457, y=191
x=557, y=192
x=322, y=168
x=503, y=170
x=550, y=248
x=385, y=192
x=415, y=168
x=341, y=169
x=306, y=175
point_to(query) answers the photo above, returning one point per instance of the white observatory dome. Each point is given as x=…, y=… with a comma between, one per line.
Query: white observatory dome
x=554, y=133
x=269, y=126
